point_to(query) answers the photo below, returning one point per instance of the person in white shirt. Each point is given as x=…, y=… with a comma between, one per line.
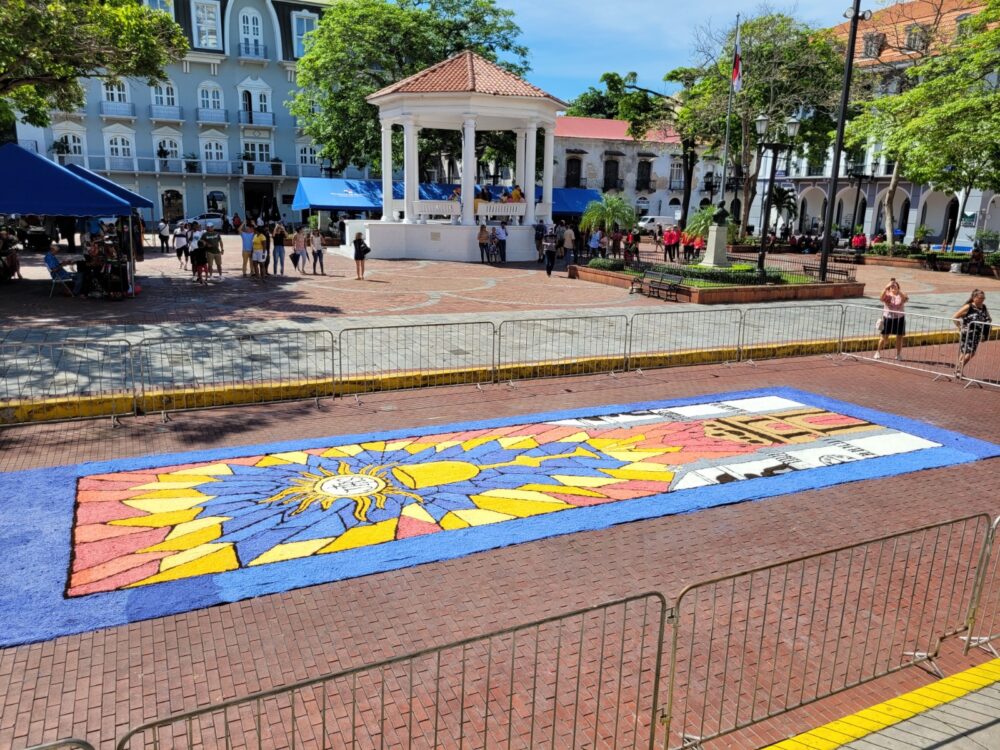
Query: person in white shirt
x=502, y=241
x=181, y=245
x=163, y=230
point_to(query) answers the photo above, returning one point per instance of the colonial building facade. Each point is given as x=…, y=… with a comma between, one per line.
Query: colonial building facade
x=215, y=136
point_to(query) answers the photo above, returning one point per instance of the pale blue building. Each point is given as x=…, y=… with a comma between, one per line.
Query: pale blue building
x=216, y=136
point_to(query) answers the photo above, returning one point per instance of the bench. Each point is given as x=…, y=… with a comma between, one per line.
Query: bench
x=852, y=258
x=658, y=283
x=812, y=269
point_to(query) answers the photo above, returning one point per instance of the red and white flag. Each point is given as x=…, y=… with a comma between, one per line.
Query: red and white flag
x=737, y=64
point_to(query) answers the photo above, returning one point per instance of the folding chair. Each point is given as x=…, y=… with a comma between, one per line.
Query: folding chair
x=56, y=282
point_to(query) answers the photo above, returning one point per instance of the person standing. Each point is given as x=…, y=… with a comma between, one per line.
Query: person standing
x=181, y=245
x=299, y=249
x=893, y=318
x=595, y=243
x=246, y=237
x=163, y=231
x=502, y=241
x=483, y=240
x=259, y=253
x=549, y=246
x=569, y=243
x=278, y=237
x=973, y=321
x=213, y=250
x=539, y=236
x=316, y=241
x=361, y=249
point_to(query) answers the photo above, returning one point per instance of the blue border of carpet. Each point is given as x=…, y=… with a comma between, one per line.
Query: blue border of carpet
x=38, y=506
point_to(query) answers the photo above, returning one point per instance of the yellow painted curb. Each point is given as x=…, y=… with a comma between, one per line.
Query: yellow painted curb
x=843, y=731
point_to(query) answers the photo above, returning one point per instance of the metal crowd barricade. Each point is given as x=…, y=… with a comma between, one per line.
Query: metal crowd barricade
x=790, y=331
x=984, y=614
x=757, y=644
x=684, y=338
x=549, y=347
x=199, y=372
x=63, y=380
x=587, y=678
x=398, y=357
x=930, y=344
x=984, y=366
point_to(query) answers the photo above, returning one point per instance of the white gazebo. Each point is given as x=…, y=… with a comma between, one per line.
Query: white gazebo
x=465, y=93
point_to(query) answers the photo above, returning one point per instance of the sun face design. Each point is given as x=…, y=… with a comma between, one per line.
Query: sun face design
x=367, y=486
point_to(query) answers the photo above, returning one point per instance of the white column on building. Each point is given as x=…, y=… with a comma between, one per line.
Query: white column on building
x=468, y=171
x=519, y=157
x=530, y=154
x=411, y=166
x=548, y=157
x=386, y=170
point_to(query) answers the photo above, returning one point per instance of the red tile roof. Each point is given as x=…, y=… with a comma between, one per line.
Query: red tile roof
x=465, y=72
x=609, y=130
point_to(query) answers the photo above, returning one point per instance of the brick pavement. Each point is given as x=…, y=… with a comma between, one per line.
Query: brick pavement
x=96, y=684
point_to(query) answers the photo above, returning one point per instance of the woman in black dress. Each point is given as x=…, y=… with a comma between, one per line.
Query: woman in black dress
x=360, y=251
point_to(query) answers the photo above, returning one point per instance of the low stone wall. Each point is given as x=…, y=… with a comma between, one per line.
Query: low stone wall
x=732, y=294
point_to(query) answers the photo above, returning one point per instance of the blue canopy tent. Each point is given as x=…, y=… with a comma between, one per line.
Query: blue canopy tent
x=32, y=184
x=333, y=194
x=132, y=198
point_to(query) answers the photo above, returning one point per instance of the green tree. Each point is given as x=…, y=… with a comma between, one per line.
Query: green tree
x=784, y=202
x=945, y=124
x=45, y=48
x=607, y=213
x=361, y=46
x=789, y=69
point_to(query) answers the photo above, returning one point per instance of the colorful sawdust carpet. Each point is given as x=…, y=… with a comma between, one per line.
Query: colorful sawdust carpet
x=104, y=544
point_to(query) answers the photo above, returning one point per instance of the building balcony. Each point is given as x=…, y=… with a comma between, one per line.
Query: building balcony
x=218, y=166
x=74, y=114
x=261, y=168
x=122, y=164
x=123, y=110
x=647, y=185
x=258, y=119
x=79, y=159
x=677, y=185
x=212, y=116
x=28, y=144
x=309, y=170
x=613, y=185
x=576, y=182
x=168, y=165
x=165, y=113
x=253, y=52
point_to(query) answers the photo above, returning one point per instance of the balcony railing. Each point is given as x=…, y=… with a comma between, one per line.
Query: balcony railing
x=614, y=184
x=213, y=115
x=77, y=159
x=217, y=166
x=28, y=144
x=262, y=168
x=165, y=112
x=170, y=164
x=677, y=184
x=122, y=164
x=647, y=185
x=117, y=109
x=309, y=170
x=253, y=51
x=257, y=118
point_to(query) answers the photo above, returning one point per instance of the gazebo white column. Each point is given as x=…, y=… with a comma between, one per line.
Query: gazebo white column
x=386, y=170
x=519, y=157
x=411, y=168
x=530, y=157
x=548, y=155
x=468, y=171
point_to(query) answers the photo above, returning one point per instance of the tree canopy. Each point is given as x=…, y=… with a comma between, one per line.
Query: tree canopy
x=45, y=48
x=361, y=46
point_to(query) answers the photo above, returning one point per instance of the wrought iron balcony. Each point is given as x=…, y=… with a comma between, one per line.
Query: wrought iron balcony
x=647, y=185
x=166, y=113
x=263, y=119
x=614, y=185
x=118, y=109
x=250, y=50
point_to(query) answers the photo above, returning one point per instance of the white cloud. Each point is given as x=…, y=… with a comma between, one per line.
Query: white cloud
x=572, y=42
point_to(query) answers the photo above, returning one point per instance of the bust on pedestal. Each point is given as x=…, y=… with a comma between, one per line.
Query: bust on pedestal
x=718, y=238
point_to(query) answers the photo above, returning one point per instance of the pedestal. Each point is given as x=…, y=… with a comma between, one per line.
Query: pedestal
x=715, y=248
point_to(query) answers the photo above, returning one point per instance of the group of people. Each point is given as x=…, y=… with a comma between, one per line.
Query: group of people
x=972, y=320
x=677, y=244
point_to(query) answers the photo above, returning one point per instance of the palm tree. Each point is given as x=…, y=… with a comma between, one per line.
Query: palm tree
x=610, y=211
x=784, y=202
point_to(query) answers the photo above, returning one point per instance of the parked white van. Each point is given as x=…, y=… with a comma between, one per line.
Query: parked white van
x=647, y=224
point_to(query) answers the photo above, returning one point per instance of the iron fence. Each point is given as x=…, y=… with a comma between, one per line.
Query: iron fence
x=757, y=644
x=773, y=332
x=984, y=614
x=548, y=347
x=51, y=381
x=202, y=372
x=399, y=357
x=684, y=338
x=587, y=678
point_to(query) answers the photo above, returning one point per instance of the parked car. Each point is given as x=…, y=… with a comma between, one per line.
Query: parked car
x=206, y=220
x=647, y=224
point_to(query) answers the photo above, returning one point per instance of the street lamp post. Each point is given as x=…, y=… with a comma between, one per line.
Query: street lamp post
x=856, y=16
x=857, y=172
x=792, y=130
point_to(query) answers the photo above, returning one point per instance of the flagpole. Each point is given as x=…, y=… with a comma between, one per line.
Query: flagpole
x=729, y=111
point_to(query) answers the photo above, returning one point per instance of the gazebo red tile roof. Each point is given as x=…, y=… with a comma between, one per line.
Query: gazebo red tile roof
x=465, y=73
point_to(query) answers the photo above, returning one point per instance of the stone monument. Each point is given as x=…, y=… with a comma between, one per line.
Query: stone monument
x=718, y=236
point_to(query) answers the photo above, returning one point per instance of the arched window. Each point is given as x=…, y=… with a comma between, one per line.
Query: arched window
x=251, y=36
x=263, y=101
x=209, y=96
x=246, y=101
x=573, y=172
x=676, y=175
x=307, y=155
x=214, y=153
x=167, y=148
x=120, y=146
x=71, y=144
x=164, y=95
x=643, y=174
x=611, y=174
x=115, y=91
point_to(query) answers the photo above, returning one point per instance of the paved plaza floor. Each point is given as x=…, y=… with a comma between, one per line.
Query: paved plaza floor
x=97, y=684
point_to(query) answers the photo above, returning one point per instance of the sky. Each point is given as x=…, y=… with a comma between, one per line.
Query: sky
x=572, y=42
